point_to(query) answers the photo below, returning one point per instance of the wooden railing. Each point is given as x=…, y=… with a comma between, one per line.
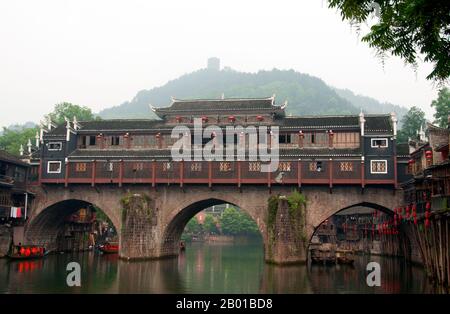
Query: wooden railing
x=290, y=172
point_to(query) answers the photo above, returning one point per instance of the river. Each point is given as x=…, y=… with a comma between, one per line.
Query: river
x=206, y=268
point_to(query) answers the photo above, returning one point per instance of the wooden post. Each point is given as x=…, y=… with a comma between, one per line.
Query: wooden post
x=362, y=173
x=94, y=170
x=239, y=173
x=40, y=172
x=210, y=173
x=299, y=173
x=153, y=173
x=120, y=173
x=66, y=180
x=269, y=183
x=181, y=173
x=330, y=173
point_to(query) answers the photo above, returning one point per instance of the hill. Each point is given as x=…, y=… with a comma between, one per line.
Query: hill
x=306, y=94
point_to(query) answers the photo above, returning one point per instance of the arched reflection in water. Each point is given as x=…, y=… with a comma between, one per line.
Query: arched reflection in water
x=213, y=268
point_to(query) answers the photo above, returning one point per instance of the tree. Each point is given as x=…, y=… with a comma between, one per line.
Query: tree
x=405, y=28
x=68, y=110
x=442, y=107
x=230, y=221
x=411, y=123
x=193, y=227
x=13, y=137
x=235, y=222
x=209, y=224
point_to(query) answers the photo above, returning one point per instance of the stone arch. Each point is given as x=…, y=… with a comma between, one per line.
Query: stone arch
x=180, y=216
x=46, y=224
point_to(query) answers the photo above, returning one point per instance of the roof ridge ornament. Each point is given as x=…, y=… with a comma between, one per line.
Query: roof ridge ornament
x=284, y=106
x=273, y=98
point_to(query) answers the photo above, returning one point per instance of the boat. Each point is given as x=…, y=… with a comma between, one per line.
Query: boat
x=345, y=256
x=109, y=248
x=182, y=246
x=20, y=252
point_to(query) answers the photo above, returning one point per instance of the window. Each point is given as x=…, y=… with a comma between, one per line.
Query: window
x=254, y=166
x=115, y=140
x=378, y=166
x=379, y=142
x=19, y=174
x=346, y=166
x=92, y=140
x=196, y=167
x=138, y=166
x=54, y=146
x=225, y=166
x=54, y=167
x=315, y=166
x=284, y=139
x=284, y=166
x=80, y=167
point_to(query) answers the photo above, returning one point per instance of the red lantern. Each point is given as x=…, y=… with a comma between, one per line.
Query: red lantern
x=259, y=118
x=178, y=118
x=27, y=252
x=204, y=119
x=429, y=154
x=231, y=118
x=428, y=206
x=22, y=251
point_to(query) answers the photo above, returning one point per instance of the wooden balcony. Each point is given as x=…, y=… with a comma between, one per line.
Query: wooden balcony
x=290, y=172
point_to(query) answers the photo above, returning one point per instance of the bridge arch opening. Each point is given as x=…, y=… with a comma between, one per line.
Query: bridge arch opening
x=227, y=217
x=71, y=225
x=361, y=228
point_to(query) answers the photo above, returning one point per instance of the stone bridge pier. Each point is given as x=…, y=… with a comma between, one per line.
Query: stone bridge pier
x=150, y=221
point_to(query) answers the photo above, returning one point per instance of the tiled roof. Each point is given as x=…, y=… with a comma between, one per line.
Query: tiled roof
x=325, y=122
x=120, y=124
x=166, y=153
x=403, y=149
x=378, y=124
x=7, y=157
x=220, y=104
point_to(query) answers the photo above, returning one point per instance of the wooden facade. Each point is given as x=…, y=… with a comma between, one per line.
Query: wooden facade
x=323, y=150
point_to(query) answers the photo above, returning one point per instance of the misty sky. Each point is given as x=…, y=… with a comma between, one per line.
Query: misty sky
x=101, y=53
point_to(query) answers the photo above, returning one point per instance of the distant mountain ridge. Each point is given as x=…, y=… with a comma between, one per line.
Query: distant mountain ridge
x=306, y=95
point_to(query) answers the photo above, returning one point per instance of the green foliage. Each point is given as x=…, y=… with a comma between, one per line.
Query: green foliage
x=193, y=227
x=69, y=111
x=210, y=224
x=405, y=28
x=296, y=201
x=442, y=107
x=306, y=94
x=136, y=203
x=412, y=121
x=272, y=208
x=235, y=222
x=12, y=138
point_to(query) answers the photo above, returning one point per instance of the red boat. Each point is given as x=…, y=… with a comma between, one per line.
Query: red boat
x=26, y=252
x=110, y=248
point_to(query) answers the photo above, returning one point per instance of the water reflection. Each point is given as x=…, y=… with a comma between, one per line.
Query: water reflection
x=206, y=268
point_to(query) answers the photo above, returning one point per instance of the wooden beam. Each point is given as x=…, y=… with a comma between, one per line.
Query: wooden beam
x=120, y=173
x=66, y=179
x=153, y=173
x=210, y=173
x=93, y=174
